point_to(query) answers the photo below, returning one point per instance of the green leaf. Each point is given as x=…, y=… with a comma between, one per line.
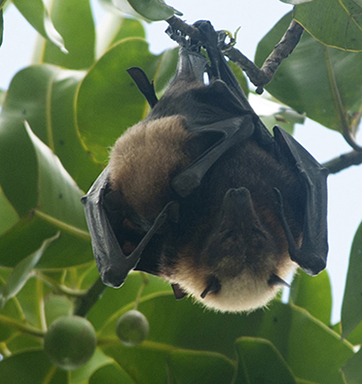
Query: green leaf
x=311, y=349
x=260, y=362
x=239, y=74
x=314, y=294
x=113, y=301
x=30, y=302
x=113, y=29
x=37, y=15
x=336, y=23
x=32, y=231
x=22, y=271
x=190, y=367
x=56, y=207
x=23, y=342
x=59, y=196
x=315, y=79
x=81, y=375
x=7, y=214
x=154, y=10
x=56, y=306
x=111, y=373
x=109, y=101
x=20, y=175
x=352, y=306
x=30, y=367
x=44, y=95
x=353, y=369
x=74, y=21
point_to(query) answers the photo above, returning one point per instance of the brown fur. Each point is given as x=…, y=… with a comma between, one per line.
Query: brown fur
x=144, y=158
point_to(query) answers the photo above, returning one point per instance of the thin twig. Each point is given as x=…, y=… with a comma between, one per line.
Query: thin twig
x=343, y=161
x=259, y=77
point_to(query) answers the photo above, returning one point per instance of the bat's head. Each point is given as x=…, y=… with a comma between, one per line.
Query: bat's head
x=244, y=262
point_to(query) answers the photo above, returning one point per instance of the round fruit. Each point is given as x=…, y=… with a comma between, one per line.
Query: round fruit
x=132, y=328
x=70, y=342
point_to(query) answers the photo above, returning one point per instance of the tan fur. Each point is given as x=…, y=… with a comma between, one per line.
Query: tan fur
x=243, y=292
x=143, y=159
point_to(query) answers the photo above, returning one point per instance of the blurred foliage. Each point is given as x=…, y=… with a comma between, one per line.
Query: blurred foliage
x=58, y=119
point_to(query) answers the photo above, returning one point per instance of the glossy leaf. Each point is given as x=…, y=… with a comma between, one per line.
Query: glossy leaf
x=57, y=203
x=82, y=374
x=24, y=342
x=190, y=367
x=114, y=28
x=314, y=294
x=309, y=79
x=260, y=362
x=37, y=15
x=30, y=367
x=353, y=369
x=148, y=9
x=74, y=21
x=352, y=306
x=110, y=373
x=30, y=301
x=44, y=96
x=33, y=230
x=305, y=343
x=337, y=23
x=21, y=273
x=10, y=313
x=20, y=175
x=108, y=100
x=114, y=300
x=7, y=213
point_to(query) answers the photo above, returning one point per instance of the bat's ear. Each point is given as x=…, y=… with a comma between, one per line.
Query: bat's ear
x=144, y=85
x=312, y=255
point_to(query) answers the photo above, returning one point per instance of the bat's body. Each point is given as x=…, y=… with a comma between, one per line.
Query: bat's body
x=201, y=194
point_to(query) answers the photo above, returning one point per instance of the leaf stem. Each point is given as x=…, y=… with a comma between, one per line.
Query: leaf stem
x=63, y=226
x=61, y=288
x=21, y=327
x=145, y=281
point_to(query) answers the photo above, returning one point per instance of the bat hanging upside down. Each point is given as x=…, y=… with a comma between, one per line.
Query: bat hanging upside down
x=201, y=194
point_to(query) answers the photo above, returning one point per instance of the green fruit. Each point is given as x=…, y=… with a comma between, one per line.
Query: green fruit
x=132, y=328
x=70, y=342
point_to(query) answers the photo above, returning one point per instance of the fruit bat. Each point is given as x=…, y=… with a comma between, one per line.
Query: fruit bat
x=201, y=194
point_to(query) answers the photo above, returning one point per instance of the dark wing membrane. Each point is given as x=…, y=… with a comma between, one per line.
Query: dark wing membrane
x=113, y=265
x=234, y=131
x=312, y=255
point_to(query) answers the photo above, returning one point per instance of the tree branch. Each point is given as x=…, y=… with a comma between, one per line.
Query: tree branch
x=259, y=77
x=343, y=161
